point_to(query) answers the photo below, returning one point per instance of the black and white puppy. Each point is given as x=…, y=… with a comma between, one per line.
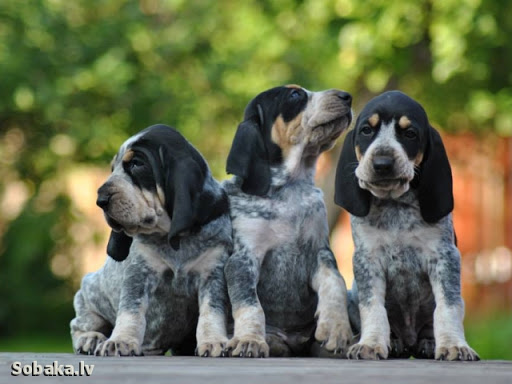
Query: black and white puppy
x=171, y=223
x=283, y=283
x=394, y=178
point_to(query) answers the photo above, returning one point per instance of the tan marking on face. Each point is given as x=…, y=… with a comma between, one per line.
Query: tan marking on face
x=358, y=153
x=128, y=156
x=295, y=86
x=374, y=120
x=287, y=134
x=418, y=159
x=404, y=122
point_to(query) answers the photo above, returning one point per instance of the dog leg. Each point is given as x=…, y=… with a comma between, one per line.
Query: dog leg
x=333, y=327
x=444, y=276
x=211, y=327
x=242, y=274
x=88, y=328
x=375, y=331
x=128, y=333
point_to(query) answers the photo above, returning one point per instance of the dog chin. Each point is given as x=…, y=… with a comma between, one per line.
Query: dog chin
x=391, y=189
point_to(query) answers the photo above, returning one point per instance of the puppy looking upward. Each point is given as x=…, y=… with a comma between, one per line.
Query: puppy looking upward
x=282, y=278
x=394, y=178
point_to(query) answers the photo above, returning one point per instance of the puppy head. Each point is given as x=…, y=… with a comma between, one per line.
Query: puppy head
x=284, y=126
x=157, y=185
x=391, y=148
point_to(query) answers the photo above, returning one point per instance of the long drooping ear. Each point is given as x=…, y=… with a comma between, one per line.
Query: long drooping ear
x=347, y=193
x=183, y=186
x=248, y=158
x=118, y=246
x=435, y=191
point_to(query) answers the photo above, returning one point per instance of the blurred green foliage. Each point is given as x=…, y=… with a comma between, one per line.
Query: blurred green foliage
x=79, y=77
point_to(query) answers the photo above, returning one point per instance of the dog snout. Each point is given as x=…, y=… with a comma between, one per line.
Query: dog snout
x=345, y=96
x=383, y=164
x=103, y=197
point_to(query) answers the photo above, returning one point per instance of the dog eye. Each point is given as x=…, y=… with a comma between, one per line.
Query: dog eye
x=136, y=163
x=366, y=130
x=410, y=134
x=294, y=95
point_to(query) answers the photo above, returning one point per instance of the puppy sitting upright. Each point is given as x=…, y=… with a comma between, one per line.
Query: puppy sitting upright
x=162, y=195
x=282, y=274
x=394, y=178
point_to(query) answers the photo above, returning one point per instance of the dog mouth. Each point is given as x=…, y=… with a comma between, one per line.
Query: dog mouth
x=387, y=183
x=114, y=224
x=386, y=188
x=338, y=123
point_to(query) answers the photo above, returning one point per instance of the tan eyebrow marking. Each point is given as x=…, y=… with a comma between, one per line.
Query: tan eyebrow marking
x=128, y=156
x=404, y=122
x=295, y=86
x=374, y=120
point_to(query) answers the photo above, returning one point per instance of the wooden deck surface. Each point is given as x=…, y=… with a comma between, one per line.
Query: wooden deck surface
x=186, y=370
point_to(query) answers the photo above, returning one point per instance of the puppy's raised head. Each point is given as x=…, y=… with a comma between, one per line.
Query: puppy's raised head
x=392, y=148
x=285, y=122
x=159, y=184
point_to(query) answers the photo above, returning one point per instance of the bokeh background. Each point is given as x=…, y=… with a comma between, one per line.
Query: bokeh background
x=79, y=77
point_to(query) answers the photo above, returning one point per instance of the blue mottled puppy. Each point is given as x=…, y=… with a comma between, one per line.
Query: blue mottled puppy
x=171, y=223
x=282, y=278
x=394, y=177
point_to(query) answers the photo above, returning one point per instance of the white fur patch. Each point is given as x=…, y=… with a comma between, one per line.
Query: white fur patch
x=130, y=326
x=211, y=326
x=260, y=235
x=375, y=330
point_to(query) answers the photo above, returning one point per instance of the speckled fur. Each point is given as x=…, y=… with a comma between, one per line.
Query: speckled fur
x=282, y=277
x=395, y=246
x=151, y=302
x=406, y=299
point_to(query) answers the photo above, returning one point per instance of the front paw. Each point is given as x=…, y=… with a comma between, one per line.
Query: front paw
x=248, y=346
x=456, y=352
x=334, y=338
x=425, y=349
x=362, y=351
x=212, y=348
x=87, y=342
x=119, y=347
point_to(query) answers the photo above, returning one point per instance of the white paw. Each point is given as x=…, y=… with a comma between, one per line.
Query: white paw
x=362, y=351
x=87, y=342
x=456, y=352
x=334, y=337
x=248, y=346
x=119, y=347
x=212, y=348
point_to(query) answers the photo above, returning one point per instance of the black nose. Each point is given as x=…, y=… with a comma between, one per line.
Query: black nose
x=345, y=96
x=383, y=164
x=103, y=199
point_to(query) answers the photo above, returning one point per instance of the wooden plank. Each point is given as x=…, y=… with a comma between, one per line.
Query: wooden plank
x=186, y=370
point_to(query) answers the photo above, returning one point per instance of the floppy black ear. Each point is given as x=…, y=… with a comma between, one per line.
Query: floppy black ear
x=248, y=158
x=118, y=246
x=347, y=193
x=184, y=183
x=435, y=192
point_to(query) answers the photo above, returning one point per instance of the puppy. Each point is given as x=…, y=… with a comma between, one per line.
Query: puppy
x=394, y=178
x=170, y=221
x=283, y=283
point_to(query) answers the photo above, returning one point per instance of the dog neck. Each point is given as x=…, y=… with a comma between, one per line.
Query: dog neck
x=295, y=168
